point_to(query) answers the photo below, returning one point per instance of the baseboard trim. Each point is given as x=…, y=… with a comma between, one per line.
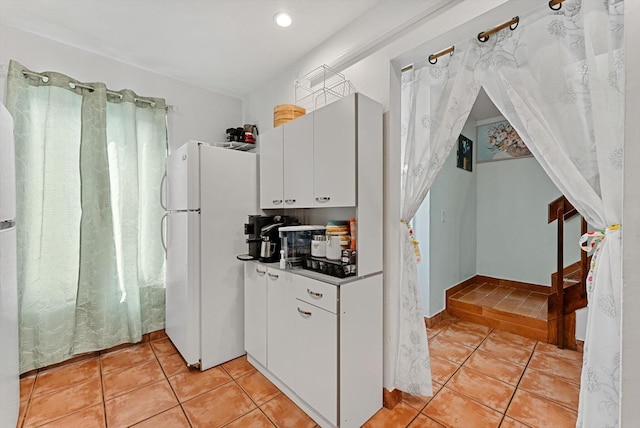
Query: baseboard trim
x=437, y=319
x=390, y=399
x=538, y=288
x=461, y=286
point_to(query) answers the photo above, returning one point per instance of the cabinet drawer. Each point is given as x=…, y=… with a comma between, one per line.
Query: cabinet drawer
x=317, y=293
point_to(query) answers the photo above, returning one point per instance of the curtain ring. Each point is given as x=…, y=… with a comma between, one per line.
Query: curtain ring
x=559, y=5
x=432, y=59
x=482, y=38
x=515, y=24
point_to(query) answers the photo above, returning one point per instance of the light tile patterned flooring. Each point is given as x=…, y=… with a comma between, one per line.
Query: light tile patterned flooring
x=481, y=378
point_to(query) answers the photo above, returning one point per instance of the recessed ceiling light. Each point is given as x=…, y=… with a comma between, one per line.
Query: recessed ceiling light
x=283, y=19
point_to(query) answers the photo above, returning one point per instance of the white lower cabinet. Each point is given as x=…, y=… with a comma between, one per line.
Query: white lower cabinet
x=255, y=311
x=316, y=365
x=323, y=341
x=280, y=318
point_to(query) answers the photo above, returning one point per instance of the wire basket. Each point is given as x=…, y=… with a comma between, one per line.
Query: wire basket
x=320, y=87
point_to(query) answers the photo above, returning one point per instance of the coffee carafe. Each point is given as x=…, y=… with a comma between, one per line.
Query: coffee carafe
x=270, y=243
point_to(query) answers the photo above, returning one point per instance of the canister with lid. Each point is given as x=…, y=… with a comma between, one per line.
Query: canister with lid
x=318, y=246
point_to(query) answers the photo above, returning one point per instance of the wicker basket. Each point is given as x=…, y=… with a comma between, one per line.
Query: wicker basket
x=284, y=113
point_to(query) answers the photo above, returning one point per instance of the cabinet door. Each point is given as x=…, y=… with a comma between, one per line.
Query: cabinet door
x=271, y=169
x=280, y=318
x=316, y=363
x=255, y=311
x=298, y=163
x=334, y=154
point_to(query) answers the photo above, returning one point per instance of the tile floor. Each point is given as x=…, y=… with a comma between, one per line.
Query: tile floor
x=480, y=378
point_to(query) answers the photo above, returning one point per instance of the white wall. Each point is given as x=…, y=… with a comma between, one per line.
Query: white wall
x=514, y=240
x=422, y=232
x=630, y=376
x=452, y=245
x=198, y=114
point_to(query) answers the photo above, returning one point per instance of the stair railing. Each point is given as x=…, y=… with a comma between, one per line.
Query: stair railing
x=561, y=209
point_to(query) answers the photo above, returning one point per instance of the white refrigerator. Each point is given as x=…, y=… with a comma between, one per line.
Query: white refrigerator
x=210, y=193
x=9, y=369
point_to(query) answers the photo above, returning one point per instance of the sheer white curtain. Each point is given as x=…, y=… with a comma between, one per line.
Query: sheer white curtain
x=438, y=98
x=558, y=78
x=559, y=81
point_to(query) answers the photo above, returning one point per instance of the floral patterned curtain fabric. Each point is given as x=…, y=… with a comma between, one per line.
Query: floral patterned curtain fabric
x=558, y=79
x=90, y=260
x=438, y=98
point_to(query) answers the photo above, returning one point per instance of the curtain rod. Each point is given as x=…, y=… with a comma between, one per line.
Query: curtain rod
x=484, y=36
x=73, y=85
x=512, y=24
x=433, y=58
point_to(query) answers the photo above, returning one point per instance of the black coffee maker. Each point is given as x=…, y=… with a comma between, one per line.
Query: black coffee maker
x=270, y=243
x=253, y=230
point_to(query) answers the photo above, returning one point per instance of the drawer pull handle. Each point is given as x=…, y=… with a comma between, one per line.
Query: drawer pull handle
x=314, y=294
x=305, y=313
x=260, y=272
x=323, y=199
x=290, y=201
x=277, y=201
x=273, y=275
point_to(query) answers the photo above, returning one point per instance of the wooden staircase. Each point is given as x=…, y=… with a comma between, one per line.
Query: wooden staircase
x=536, y=311
x=568, y=284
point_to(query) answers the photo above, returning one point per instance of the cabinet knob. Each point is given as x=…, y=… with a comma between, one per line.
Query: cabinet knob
x=290, y=201
x=276, y=201
x=260, y=272
x=323, y=198
x=273, y=275
x=314, y=294
x=305, y=313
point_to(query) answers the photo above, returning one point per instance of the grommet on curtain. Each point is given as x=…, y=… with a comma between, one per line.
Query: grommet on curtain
x=44, y=78
x=553, y=3
x=512, y=24
x=433, y=58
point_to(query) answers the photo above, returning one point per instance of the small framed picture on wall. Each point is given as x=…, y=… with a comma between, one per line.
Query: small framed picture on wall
x=499, y=141
x=465, y=153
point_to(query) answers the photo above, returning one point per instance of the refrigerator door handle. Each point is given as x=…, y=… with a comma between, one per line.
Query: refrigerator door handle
x=7, y=224
x=162, y=182
x=162, y=232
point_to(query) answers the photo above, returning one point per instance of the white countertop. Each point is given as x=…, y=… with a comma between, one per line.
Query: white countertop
x=316, y=275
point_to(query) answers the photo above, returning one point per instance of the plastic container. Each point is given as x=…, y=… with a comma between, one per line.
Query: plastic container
x=334, y=247
x=319, y=246
x=296, y=242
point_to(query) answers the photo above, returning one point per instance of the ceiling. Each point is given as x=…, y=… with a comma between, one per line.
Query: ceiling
x=229, y=46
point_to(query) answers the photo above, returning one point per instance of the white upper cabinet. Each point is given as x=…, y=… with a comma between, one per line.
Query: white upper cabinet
x=271, y=169
x=298, y=163
x=317, y=162
x=334, y=154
